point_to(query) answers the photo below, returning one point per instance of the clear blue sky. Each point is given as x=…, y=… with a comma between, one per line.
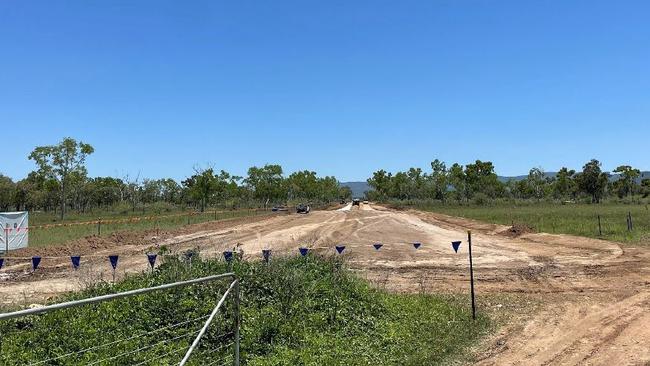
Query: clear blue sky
x=340, y=87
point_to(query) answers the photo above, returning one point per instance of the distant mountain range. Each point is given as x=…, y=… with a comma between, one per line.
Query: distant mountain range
x=360, y=188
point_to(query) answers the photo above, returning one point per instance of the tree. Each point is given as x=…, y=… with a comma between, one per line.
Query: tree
x=592, y=181
x=132, y=190
x=345, y=193
x=201, y=186
x=458, y=180
x=267, y=183
x=7, y=192
x=170, y=190
x=536, y=180
x=480, y=177
x=381, y=183
x=62, y=162
x=627, y=180
x=416, y=182
x=328, y=189
x=439, y=179
x=107, y=191
x=564, y=185
x=400, y=186
x=303, y=184
x=645, y=188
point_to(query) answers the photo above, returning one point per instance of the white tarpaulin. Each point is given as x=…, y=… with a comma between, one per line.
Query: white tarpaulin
x=15, y=230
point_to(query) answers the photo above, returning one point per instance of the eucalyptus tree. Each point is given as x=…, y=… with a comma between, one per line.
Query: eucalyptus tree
x=63, y=163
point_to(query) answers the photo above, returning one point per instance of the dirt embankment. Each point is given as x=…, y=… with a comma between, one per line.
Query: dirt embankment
x=593, y=295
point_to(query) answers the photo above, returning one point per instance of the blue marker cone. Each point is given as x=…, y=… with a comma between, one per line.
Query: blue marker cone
x=113, y=259
x=189, y=254
x=417, y=245
x=76, y=260
x=377, y=246
x=303, y=251
x=266, y=254
x=340, y=248
x=227, y=255
x=152, y=259
x=2, y=262
x=455, y=245
x=36, y=260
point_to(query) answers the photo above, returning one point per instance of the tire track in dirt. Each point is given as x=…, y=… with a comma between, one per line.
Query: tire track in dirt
x=594, y=294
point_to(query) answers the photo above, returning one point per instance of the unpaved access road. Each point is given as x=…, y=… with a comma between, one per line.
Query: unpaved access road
x=594, y=295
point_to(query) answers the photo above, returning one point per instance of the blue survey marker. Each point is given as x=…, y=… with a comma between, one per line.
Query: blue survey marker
x=76, y=260
x=36, y=260
x=417, y=245
x=113, y=259
x=304, y=251
x=2, y=262
x=152, y=259
x=266, y=254
x=227, y=255
x=455, y=245
x=377, y=246
x=340, y=248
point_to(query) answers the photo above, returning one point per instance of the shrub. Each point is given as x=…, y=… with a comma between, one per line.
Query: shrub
x=161, y=207
x=294, y=311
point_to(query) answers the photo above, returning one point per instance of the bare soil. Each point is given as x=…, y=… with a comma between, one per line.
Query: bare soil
x=592, y=296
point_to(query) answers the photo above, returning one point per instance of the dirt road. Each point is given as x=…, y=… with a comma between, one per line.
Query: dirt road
x=594, y=295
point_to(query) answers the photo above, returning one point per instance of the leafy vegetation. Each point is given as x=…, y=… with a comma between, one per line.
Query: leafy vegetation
x=479, y=183
x=295, y=311
x=61, y=183
x=574, y=219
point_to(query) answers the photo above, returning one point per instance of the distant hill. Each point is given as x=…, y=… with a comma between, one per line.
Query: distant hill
x=613, y=177
x=359, y=188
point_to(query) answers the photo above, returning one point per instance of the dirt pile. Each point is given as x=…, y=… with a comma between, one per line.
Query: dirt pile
x=517, y=230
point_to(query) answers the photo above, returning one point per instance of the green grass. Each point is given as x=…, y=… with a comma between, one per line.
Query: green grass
x=295, y=311
x=574, y=219
x=44, y=236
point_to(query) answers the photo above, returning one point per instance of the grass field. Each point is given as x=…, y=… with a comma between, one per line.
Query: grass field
x=295, y=311
x=574, y=219
x=79, y=226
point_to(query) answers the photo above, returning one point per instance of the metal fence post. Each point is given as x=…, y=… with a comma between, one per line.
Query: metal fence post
x=471, y=273
x=237, y=325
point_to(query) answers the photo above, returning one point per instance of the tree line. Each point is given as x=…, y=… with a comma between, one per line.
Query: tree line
x=61, y=183
x=478, y=181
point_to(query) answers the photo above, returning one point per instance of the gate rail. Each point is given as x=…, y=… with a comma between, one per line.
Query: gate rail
x=233, y=288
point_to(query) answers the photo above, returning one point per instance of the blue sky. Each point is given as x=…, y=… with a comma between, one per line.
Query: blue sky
x=340, y=87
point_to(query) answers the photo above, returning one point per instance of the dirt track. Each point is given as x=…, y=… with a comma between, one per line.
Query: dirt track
x=595, y=295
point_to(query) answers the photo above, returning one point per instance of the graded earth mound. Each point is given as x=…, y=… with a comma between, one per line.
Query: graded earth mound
x=594, y=295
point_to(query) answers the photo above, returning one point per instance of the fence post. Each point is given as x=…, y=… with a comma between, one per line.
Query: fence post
x=471, y=273
x=237, y=326
x=6, y=239
x=629, y=215
x=99, y=227
x=600, y=230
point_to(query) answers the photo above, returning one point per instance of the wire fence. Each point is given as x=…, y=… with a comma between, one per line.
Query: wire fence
x=42, y=235
x=136, y=327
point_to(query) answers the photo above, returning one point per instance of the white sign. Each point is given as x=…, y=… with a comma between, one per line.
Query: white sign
x=15, y=230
